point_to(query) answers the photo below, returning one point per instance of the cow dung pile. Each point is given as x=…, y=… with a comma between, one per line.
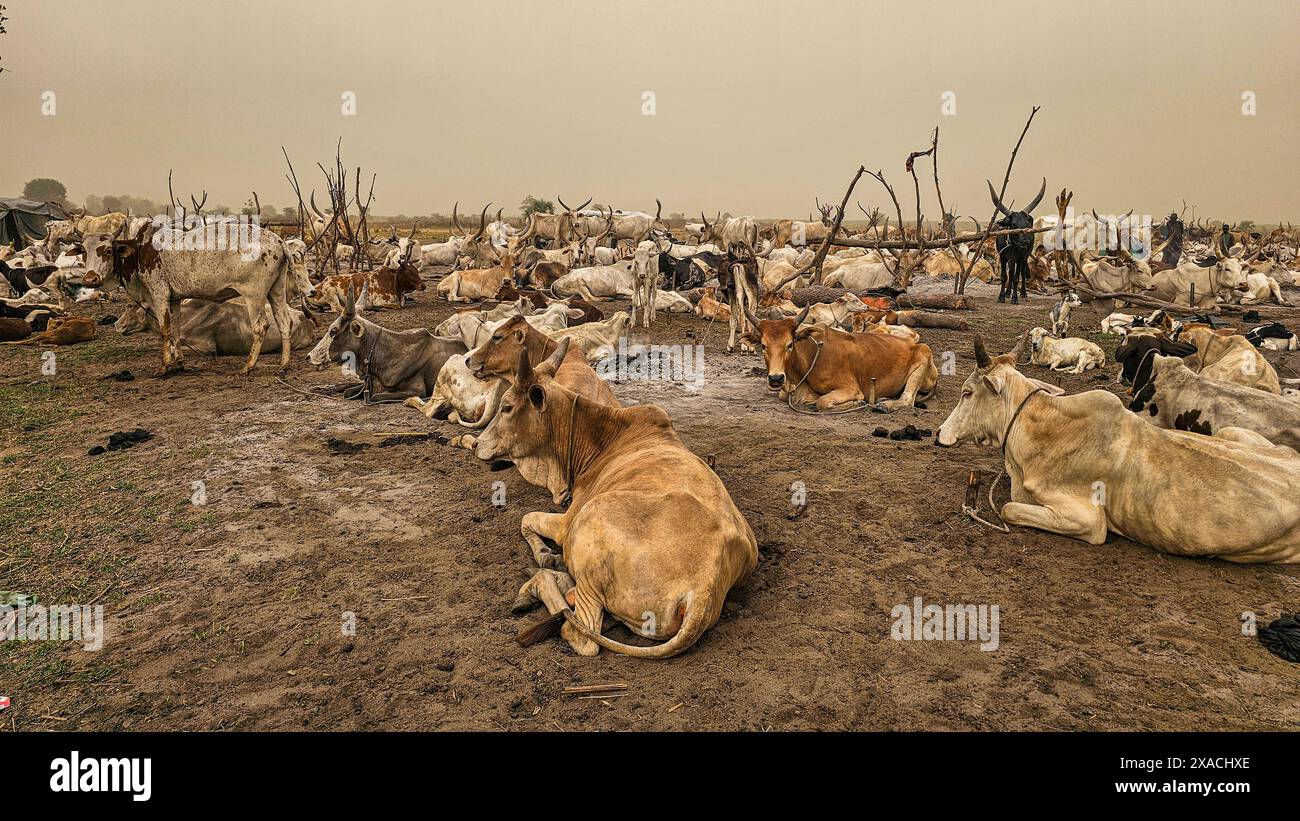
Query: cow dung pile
x=122, y=440
x=1282, y=637
x=910, y=432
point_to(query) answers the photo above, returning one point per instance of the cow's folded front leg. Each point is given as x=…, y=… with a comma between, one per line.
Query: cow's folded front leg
x=536, y=527
x=838, y=397
x=1076, y=519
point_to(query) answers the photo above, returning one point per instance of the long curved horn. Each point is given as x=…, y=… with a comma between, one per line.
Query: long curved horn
x=499, y=210
x=456, y=219
x=561, y=202
x=584, y=205
x=798, y=320
x=1029, y=209
x=705, y=220
x=482, y=221
x=530, y=230
x=659, y=209
x=997, y=203
x=609, y=227
x=314, y=209
x=753, y=320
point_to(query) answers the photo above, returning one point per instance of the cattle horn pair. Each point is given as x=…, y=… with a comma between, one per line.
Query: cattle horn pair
x=524, y=373
x=1029, y=209
x=573, y=210
x=410, y=241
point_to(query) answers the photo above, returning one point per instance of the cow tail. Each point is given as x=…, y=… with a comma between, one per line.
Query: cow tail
x=694, y=623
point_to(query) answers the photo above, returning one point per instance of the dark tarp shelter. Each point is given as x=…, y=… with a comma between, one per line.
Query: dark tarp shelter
x=22, y=222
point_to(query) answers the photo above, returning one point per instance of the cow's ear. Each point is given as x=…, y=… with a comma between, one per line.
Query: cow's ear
x=993, y=383
x=357, y=329
x=519, y=336
x=537, y=395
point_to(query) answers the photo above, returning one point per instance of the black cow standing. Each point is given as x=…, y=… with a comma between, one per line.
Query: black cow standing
x=1014, y=249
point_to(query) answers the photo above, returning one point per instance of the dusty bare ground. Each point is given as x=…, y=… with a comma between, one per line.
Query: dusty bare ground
x=229, y=615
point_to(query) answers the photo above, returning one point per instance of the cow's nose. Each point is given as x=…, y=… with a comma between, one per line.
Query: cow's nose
x=776, y=380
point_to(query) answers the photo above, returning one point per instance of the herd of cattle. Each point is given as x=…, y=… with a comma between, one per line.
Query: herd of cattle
x=514, y=367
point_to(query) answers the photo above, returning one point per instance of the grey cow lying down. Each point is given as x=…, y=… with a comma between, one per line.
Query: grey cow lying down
x=393, y=364
x=220, y=328
x=1083, y=465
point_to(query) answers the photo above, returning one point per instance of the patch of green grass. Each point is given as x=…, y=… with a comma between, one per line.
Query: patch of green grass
x=36, y=407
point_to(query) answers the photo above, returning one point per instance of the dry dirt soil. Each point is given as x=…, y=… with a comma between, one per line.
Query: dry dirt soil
x=230, y=615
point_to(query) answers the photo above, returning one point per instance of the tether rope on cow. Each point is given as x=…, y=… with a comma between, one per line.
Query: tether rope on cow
x=972, y=512
x=789, y=397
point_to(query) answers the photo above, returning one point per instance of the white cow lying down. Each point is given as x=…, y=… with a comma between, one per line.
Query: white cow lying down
x=1072, y=354
x=598, y=282
x=472, y=401
x=1083, y=466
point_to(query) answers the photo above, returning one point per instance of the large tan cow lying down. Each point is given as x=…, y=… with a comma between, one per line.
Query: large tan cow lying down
x=477, y=283
x=1082, y=466
x=651, y=537
x=1229, y=359
x=834, y=368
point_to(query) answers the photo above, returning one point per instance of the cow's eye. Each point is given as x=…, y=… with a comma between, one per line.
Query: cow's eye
x=507, y=408
x=966, y=393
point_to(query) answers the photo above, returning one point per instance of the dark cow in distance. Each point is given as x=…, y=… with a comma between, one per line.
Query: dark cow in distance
x=1014, y=249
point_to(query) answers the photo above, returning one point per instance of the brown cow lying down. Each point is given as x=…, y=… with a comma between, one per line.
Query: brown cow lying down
x=1082, y=465
x=220, y=328
x=833, y=368
x=385, y=287
x=652, y=537
x=590, y=313
x=63, y=331
x=12, y=328
x=477, y=283
x=499, y=357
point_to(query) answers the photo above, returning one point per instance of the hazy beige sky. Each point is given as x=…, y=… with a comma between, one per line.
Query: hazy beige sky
x=760, y=106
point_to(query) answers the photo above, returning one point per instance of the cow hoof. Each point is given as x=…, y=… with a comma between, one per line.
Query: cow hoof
x=1002, y=299
x=523, y=603
x=547, y=561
